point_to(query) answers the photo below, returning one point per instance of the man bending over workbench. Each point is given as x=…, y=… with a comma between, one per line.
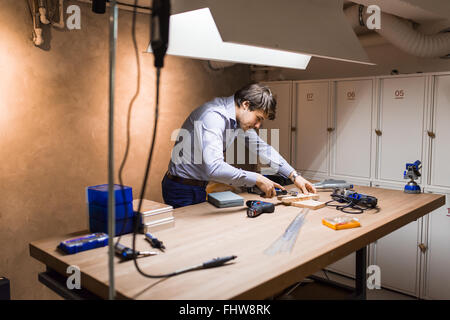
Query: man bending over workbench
x=212, y=128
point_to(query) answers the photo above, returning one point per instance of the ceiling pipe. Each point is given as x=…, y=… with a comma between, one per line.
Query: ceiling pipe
x=401, y=34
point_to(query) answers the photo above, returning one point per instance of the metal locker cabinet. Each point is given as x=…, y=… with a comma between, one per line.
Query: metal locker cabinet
x=311, y=135
x=282, y=91
x=398, y=254
x=440, y=135
x=436, y=275
x=351, y=138
x=401, y=123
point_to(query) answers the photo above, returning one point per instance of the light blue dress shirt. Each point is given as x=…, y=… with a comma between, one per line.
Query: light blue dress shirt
x=206, y=134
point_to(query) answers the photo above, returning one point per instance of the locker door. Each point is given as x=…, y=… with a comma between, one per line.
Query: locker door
x=352, y=135
x=398, y=258
x=283, y=93
x=398, y=255
x=437, y=272
x=311, y=135
x=440, y=154
x=401, y=123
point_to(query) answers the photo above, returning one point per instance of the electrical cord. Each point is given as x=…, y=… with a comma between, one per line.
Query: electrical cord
x=208, y=264
x=137, y=218
x=161, y=46
x=356, y=208
x=130, y=107
x=342, y=208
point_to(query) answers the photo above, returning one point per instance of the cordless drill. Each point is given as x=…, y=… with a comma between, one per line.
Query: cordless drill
x=256, y=207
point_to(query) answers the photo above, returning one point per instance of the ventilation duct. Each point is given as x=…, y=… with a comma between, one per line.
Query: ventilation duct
x=401, y=34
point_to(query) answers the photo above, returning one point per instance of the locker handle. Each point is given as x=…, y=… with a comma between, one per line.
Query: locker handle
x=431, y=134
x=330, y=129
x=378, y=132
x=423, y=247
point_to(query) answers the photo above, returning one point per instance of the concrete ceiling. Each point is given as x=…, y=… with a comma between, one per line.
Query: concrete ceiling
x=420, y=11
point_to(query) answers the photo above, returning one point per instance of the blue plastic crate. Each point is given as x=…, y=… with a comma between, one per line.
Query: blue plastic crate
x=102, y=226
x=98, y=195
x=101, y=213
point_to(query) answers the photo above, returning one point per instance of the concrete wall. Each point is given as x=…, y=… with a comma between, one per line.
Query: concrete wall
x=53, y=125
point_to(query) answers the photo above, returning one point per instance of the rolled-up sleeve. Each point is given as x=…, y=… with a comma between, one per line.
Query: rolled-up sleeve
x=211, y=136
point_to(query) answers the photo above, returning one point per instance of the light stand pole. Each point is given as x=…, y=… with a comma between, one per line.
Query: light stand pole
x=113, y=17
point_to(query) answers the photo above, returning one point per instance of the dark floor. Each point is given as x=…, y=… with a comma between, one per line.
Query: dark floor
x=315, y=290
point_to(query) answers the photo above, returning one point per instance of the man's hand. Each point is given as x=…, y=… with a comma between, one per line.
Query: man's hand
x=304, y=185
x=267, y=186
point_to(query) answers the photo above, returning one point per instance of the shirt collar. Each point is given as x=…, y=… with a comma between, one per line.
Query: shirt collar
x=231, y=110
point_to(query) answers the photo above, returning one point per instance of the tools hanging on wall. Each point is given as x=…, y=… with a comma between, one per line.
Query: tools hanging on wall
x=45, y=12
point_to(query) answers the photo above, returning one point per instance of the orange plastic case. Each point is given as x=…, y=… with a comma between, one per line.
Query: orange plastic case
x=341, y=222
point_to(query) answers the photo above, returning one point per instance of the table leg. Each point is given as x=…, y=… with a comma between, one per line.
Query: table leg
x=361, y=276
x=359, y=291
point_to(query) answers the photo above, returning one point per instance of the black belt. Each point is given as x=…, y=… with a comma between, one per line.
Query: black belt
x=189, y=182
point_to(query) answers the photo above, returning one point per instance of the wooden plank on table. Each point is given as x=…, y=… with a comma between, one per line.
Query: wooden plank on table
x=310, y=204
x=300, y=197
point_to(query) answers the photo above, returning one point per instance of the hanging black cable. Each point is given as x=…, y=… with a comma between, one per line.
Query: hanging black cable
x=159, y=42
x=130, y=107
x=136, y=221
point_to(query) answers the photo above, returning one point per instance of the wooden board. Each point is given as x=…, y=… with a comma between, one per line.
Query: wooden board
x=203, y=232
x=300, y=197
x=311, y=204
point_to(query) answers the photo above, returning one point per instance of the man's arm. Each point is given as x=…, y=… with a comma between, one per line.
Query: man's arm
x=259, y=147
x=212, y=128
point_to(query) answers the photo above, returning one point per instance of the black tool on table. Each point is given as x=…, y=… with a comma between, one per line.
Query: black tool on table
x=351, y=201
x=154, y=242
x=126, y=253
x=256, y=190
x=256, y=207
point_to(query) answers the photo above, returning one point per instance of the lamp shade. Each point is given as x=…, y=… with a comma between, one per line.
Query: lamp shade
x=281, y=33
x=194, y=34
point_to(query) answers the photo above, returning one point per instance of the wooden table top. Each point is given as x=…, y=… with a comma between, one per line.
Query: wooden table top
x=203, y=232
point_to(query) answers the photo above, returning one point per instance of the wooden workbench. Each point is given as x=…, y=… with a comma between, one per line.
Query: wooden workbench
x=203, y=232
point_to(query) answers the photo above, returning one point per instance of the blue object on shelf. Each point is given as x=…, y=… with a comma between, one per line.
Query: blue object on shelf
x=91, y=241
x=98, y=195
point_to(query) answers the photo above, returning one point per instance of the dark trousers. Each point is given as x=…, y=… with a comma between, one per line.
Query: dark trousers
x=180, y=195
